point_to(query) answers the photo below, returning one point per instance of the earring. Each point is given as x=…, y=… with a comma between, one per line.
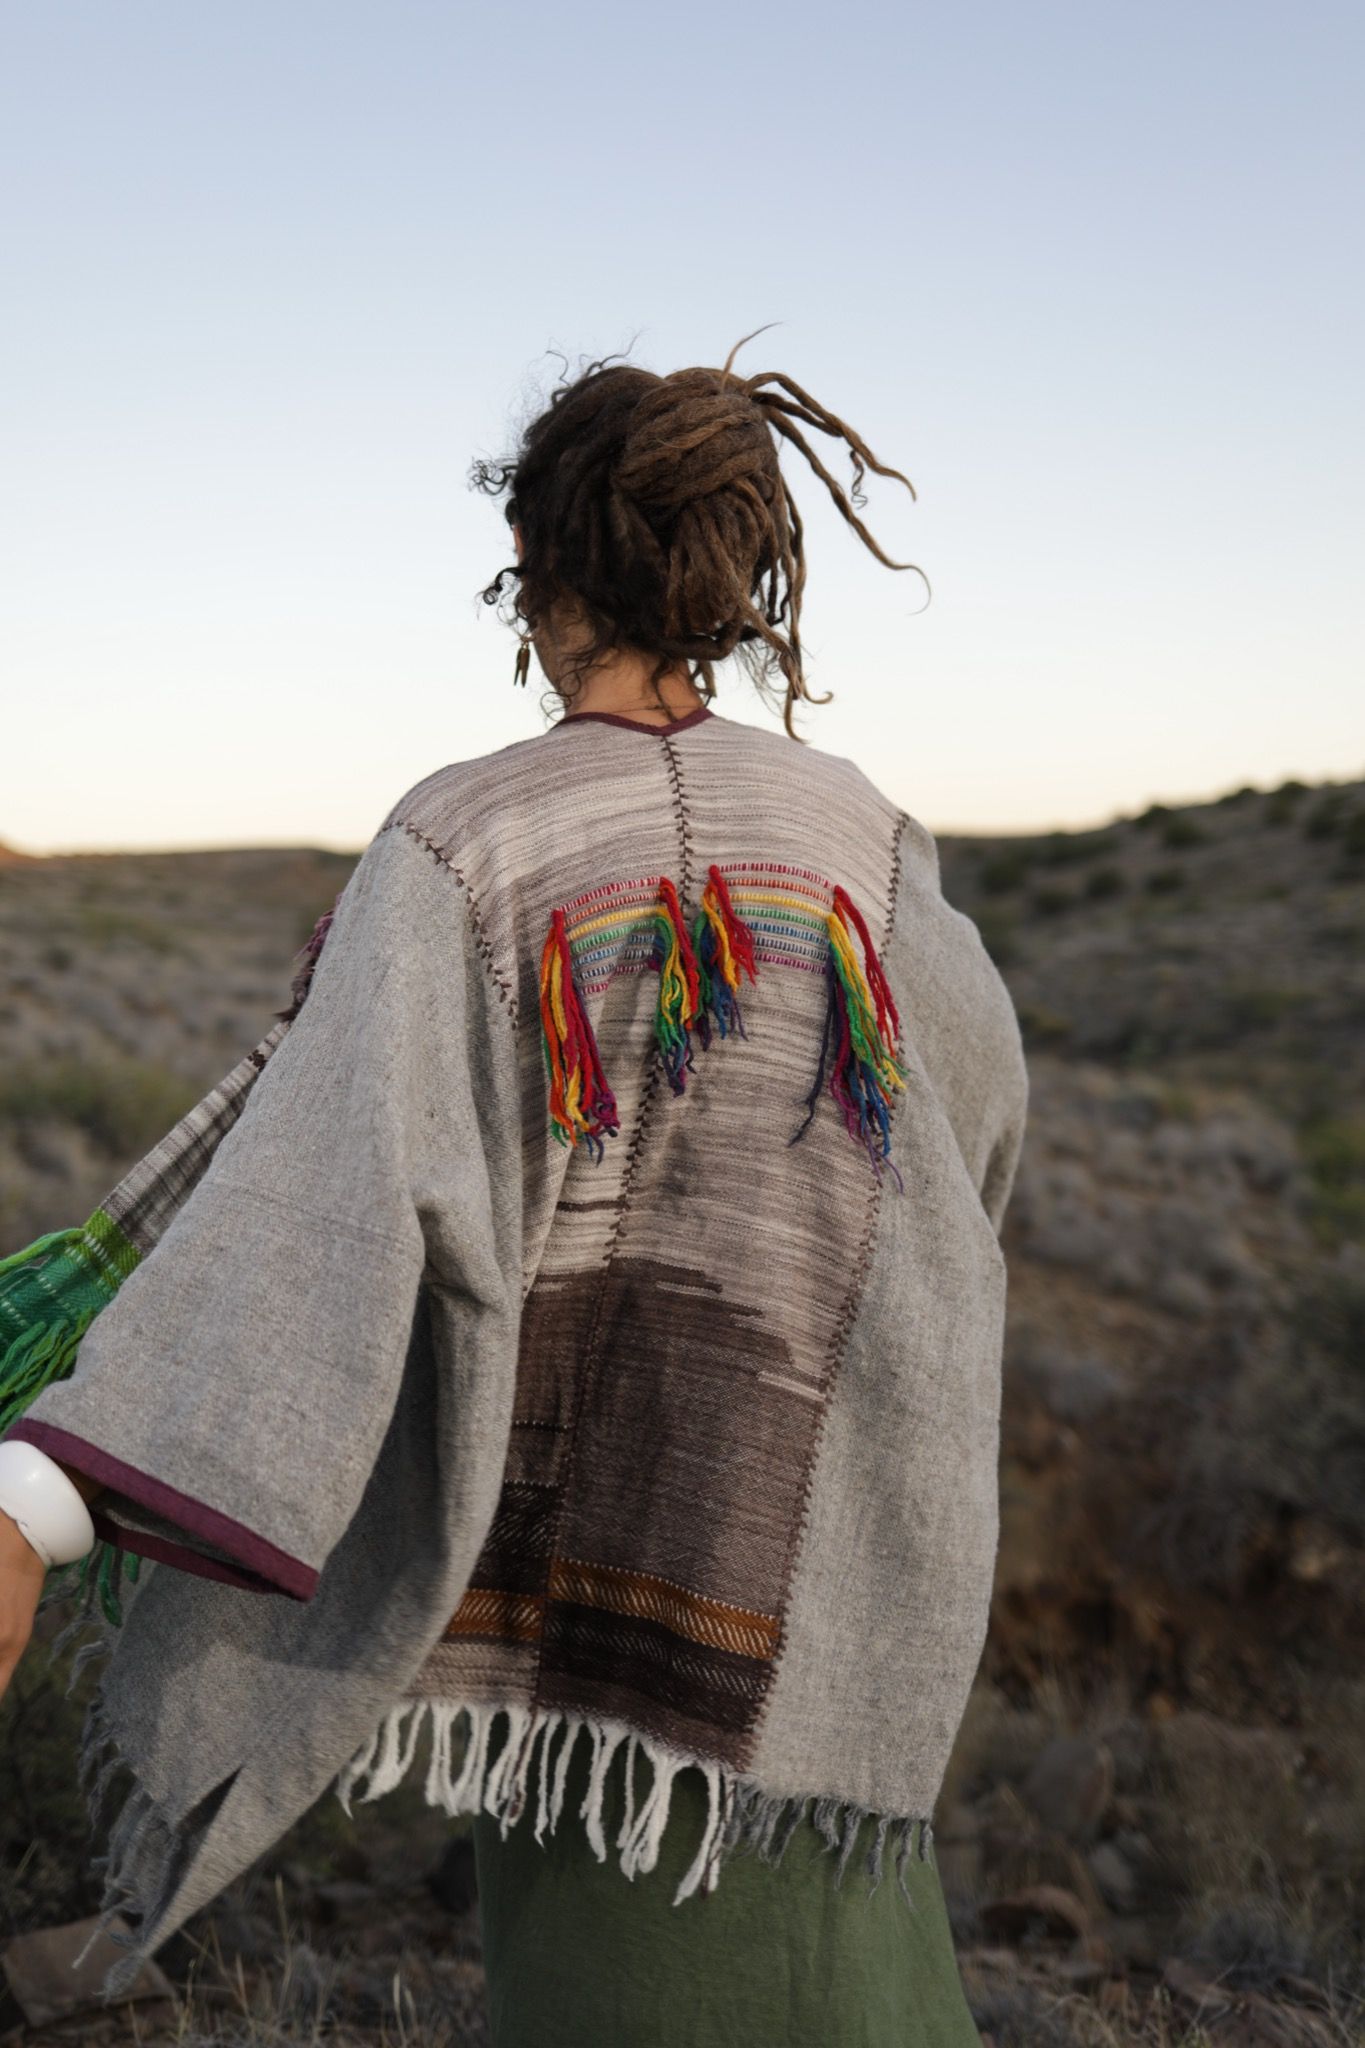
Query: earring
x=522, y=669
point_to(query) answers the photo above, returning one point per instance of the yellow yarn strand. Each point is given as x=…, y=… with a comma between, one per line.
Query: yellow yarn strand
x=715, y=917
x=863, y=1024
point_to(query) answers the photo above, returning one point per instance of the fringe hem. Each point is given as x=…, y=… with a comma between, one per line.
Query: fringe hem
x=144, y=1853
x=147, y=1852
x=740, y=1814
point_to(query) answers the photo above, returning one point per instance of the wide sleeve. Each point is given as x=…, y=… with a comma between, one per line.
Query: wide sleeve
x=233, y=1395
x=1011, y=1099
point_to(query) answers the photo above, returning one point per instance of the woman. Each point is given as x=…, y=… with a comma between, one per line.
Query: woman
x=571, y=1342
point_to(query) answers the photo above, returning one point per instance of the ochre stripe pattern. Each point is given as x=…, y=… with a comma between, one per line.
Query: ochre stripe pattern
x=642, y=1596
x=513, y=1617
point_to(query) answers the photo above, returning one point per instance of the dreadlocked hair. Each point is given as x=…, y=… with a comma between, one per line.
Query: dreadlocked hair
x=655, y=509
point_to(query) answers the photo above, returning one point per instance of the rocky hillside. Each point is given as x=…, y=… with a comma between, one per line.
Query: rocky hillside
x=1156, y=1811
x=129, y=984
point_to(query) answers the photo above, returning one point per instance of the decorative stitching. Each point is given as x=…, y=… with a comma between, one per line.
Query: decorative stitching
x=893, y=893
x=839, y=1340
x=684, y=822
x=499, y=980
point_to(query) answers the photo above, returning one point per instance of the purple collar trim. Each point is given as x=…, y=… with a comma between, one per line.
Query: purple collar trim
x=637, y=724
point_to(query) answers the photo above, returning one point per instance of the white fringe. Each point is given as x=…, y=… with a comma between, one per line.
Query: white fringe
x=736, y=1809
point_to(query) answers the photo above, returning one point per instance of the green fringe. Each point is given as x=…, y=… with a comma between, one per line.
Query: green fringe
x=50, y=1293
x=42, y=1354
x=108, y=1566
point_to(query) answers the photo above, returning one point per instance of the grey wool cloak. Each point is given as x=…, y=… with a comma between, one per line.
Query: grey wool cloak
x=582, y=1320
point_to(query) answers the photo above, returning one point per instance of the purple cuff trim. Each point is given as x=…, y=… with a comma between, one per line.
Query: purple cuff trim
x=279, y=1572
x=162, y=1550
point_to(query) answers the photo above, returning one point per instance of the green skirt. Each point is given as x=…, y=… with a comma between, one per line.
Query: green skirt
x=579, y=1956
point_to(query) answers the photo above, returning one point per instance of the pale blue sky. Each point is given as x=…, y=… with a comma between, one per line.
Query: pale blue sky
x=1090, y=274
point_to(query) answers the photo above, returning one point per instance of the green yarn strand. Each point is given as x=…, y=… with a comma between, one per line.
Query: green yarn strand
x=50, y=1293
x=37, y=1358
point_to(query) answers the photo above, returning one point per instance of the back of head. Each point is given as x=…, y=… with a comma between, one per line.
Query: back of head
x=656, y=509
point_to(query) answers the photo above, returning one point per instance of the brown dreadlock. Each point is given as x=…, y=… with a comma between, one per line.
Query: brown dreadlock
x=657, y=508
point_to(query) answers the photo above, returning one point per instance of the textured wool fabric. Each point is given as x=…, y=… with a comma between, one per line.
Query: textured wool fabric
x=680, y=1443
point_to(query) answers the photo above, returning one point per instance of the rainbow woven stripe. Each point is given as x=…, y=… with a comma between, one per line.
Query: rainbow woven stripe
x=787, y=915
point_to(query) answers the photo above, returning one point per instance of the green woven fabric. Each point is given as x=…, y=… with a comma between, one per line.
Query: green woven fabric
x=50, y=1293
x=581, y=1956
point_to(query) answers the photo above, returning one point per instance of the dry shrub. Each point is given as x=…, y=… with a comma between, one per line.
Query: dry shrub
x=1261, y=1840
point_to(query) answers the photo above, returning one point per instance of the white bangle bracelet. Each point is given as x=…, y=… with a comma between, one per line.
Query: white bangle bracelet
x=37, y=1495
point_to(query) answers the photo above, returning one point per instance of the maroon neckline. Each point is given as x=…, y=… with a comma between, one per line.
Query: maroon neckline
x=637, y=724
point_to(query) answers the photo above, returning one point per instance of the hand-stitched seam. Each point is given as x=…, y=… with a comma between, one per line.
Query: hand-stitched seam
x=838, y=1344
x=481, y=938
x=893, y=892
x=684, y=821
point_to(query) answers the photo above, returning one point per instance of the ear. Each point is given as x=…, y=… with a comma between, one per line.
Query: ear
x=516, y=535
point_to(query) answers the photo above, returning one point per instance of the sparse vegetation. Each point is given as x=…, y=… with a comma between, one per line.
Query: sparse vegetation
x=102, y=926
x=1047, y=901
x=1002, y=872
x=1103, y=882
x=1282, y=806
x=1041, y=1026
x=124, y=1105
x=1353, y=842
x=998, y=934
x=1334, y=1148
x=1328, y=815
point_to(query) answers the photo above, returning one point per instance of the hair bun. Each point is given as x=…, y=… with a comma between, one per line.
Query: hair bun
x=658, y=505
x=691, y=436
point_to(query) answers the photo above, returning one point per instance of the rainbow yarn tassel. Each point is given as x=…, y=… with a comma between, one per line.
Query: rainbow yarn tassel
x=723, y=945
x=679, y=991
x=863, y=1022
x=581, y=1103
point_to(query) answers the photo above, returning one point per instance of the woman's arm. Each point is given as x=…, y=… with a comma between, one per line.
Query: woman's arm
x=22, y=1572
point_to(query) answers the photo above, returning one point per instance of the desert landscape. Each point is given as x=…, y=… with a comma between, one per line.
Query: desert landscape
x=1153, y=1828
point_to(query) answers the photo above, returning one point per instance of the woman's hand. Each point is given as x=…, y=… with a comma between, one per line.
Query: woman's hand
x=22, y=1573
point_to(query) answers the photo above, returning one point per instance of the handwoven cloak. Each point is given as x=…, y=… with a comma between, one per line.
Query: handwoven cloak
x=580, y=1320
